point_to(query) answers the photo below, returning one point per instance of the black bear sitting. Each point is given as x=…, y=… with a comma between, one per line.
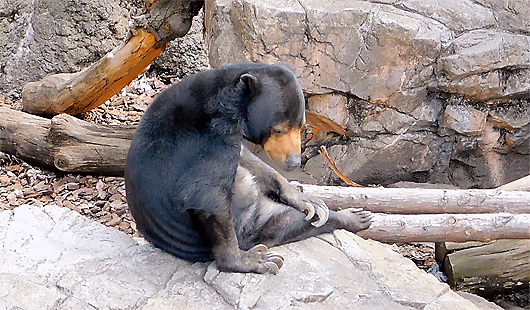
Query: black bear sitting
x=195, y=192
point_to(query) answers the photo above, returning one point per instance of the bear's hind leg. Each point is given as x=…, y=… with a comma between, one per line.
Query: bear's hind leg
x=286, y=224
x=219, y=227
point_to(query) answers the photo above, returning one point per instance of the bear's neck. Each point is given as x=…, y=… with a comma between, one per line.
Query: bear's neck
x=225, y=110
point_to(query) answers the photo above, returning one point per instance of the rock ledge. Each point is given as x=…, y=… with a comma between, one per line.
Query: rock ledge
x=53, y=258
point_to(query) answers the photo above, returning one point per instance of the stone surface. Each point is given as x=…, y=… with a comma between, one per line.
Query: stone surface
x=464, y=120
x=42, y=37
x=444, y=75
x=345, y=46
x=486, y=65
x=53, y=258
x=186, y=55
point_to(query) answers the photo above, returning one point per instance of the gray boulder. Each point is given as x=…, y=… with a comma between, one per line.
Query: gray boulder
x=484, y=65
x=427, y=89
x=42, y=37
x=53, y=258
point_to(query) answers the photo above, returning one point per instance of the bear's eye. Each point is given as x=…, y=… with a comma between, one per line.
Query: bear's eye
x=277, y=132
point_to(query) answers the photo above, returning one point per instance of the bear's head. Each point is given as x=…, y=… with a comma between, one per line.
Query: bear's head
x=275, y=113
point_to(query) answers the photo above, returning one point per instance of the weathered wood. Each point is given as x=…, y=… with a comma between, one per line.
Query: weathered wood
x=26, y=136
x=490, y=268
x=425, y=201
x=84, y=147
x=65, y=142
x=82, y=91
x=448, y=227
x=441, y=249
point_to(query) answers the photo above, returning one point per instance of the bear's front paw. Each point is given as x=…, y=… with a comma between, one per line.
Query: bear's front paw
x=308, y=204
x=315, y=205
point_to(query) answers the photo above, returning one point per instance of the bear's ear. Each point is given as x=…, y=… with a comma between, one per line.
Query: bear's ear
x=250, y=83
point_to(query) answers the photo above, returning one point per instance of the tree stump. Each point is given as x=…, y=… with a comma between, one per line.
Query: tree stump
x=488, y=268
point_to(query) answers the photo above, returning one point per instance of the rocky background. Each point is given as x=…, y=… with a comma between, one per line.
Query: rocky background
x=430, y=91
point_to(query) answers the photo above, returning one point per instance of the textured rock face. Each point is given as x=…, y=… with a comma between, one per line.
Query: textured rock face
x=53, y=258
x=428, y=90
x=186, y=55
x=42, y=37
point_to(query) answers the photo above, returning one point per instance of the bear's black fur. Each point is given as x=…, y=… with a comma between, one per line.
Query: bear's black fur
x=195, y=192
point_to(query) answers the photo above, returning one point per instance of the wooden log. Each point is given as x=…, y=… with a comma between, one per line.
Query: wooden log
x=448, y=227
x=65, y=142
x=85, y=147
x=82, y=91
x=26, y=136
x=441, y=249
x=490, y=268
x=425, y=201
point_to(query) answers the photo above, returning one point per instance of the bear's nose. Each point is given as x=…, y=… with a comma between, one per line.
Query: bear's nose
x=292, y=162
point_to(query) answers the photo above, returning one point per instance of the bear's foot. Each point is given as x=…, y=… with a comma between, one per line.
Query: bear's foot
x=355, y=219
x=258, y=260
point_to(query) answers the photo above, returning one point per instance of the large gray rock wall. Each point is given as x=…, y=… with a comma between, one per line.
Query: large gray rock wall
x=431, y=91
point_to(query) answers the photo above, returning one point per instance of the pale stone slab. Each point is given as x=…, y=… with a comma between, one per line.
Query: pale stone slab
x=53, y=258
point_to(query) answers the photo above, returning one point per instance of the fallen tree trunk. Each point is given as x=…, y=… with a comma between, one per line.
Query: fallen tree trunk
x=26, y=136
x=80, y=146
x=447, y=227
x=80, y=92
x=425, y=201
x=65, y=142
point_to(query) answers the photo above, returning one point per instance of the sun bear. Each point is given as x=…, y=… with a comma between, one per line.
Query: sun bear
x=197, y=193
